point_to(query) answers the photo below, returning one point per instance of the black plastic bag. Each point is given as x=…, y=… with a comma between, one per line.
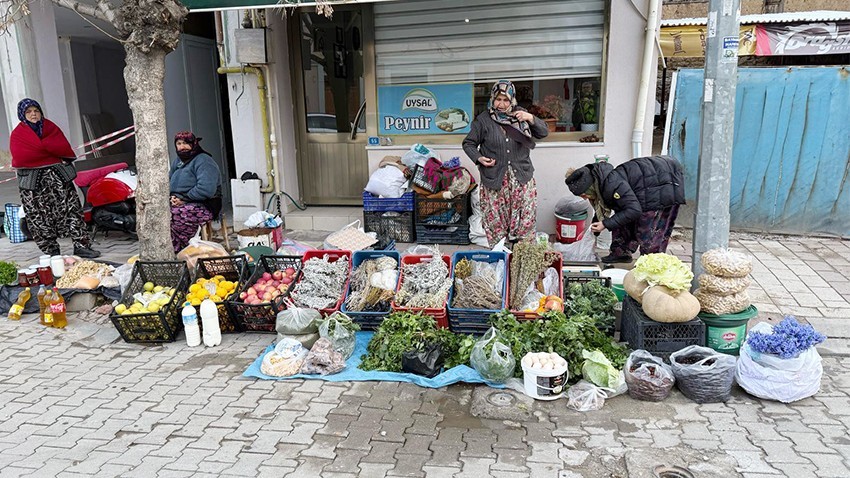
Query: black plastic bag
x=702, y=374
x=426, y=360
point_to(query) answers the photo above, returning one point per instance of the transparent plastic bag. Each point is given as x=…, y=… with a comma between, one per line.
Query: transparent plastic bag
x=582, y=250
x=323, y=359
x=648, y=377
x=722, y=304
x=717, y=285
x=198, y=249
x=551, y=281
x=297, y=320
x=702, y=374
x=586, y=397
x=499, y=364
x=285, y=360
x=123, y=273
x=727, y=263
x=342, y=339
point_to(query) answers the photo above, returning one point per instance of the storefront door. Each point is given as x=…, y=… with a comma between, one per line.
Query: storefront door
x=330, y=105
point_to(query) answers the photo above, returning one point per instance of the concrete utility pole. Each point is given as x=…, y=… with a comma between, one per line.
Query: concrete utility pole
x=711, y=225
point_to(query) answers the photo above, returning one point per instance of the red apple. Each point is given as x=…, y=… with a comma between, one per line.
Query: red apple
x=286, y=280
x=275, y=293
x=289, y=271
x=252, y=291
x=275, y=283
x=243, y=295
x=266, y=276
x=282, y=287
x=277, y=275
x=267, y=296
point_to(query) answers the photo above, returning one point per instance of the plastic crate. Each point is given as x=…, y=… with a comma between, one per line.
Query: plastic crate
x=443, y=212
x=475, y=320
x=233, y=269
x=557, y=264
x=262, y=317
x=657, y=338
x=368, y=320
x=395, y=225
x=439, y=314
x=427, y=234
x=154, y=327
x=377, y=204
x=333, y=256
x=570, y=279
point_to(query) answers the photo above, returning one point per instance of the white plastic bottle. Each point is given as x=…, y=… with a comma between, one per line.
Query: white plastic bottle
x=190, y=325
x=209, y=317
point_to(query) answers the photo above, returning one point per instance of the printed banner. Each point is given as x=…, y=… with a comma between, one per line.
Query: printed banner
x=425, y=109
x=823, y=38
x=689, y=41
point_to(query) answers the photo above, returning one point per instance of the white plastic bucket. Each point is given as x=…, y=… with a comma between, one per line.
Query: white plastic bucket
x=544, y=384
x=616, y=275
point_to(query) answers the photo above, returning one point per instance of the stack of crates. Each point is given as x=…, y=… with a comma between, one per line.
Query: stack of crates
x=443, y=221
x=390, y=218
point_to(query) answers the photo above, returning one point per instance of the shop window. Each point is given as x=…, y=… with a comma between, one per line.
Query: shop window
x=551, y=49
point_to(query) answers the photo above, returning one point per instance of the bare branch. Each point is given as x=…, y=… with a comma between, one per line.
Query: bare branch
x=101, y=11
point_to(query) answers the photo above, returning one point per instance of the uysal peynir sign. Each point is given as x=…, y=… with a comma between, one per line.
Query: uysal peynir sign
x=425, y=109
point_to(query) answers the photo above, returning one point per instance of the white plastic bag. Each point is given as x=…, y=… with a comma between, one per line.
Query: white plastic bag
x=648, y=377
x=773, y=378
x=499, y=364
x=297, y=320
x=418, y=155
x=582, y=250
x=586, y=397
x=123, y=273
x=386, y=182
x=198, y=249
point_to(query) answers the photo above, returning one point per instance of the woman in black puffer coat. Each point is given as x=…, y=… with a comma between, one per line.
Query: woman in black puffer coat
x=644, y=194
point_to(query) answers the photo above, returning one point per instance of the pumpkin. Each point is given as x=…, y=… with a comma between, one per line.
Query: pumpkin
x=634, y=287
x=664, y=305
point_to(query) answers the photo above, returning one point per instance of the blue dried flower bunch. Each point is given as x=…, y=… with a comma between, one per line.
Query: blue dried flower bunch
x=788, y=340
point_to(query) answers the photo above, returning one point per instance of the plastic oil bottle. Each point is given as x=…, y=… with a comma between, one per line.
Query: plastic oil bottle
x=40, y=296
x=190, y=325
x=57, y=308
x=47, y=317
x=17, y=308
x=209, y=319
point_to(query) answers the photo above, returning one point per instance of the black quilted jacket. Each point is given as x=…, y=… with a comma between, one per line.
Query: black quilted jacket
x=641, y=184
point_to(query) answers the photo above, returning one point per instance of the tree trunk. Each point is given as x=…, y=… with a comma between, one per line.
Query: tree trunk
x=144, y=76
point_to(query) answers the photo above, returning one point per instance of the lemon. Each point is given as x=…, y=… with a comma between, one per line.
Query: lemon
x=149, y=286
x=163, y=301
x=194, y=287
x=215, y=298
x=120, y=308
x=126, y=312
x=153, y=307
x=158, y=288
x=195, y=302
x=221, y=291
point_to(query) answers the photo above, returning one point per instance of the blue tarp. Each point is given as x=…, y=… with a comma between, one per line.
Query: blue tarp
x=461, y=373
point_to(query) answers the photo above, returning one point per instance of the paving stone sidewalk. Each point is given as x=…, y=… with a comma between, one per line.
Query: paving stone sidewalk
x=79, y=403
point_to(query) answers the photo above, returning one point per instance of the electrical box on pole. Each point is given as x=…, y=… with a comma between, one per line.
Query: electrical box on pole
x=714, y=175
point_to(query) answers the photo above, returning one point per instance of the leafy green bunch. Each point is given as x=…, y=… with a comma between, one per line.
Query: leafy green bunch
x=555, y=332
x=401, y=332
x=594, y=300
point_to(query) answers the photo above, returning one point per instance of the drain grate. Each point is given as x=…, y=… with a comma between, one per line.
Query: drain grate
x=664, y=471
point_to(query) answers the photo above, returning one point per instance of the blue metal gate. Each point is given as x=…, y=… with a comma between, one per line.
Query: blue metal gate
x=791, y=157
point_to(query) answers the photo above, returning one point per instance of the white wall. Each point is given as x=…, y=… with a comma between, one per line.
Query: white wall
x=551, y=160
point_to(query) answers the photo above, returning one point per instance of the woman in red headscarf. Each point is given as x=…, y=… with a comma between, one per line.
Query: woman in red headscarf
x=195, y=182
x=41, y=156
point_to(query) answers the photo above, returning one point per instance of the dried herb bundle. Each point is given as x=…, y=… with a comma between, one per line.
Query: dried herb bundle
x=477, y=285
x=366, y=296
x=425, y=285
x=322, y=284
x=530, y=260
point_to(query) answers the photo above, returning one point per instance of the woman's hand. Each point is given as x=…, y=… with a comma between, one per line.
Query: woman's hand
x=487, y=162
x=176, y=201
x=524, y=116
x=597, y=227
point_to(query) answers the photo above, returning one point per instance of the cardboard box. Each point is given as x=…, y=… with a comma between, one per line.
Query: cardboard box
x=261, y=236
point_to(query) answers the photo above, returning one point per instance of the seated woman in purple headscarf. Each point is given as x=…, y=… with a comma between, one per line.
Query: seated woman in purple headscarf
x=195, y=189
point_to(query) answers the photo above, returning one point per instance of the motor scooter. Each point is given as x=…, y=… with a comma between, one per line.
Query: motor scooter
x=109, y=193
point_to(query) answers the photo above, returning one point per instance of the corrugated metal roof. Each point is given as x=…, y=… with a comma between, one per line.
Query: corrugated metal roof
x=788, y=17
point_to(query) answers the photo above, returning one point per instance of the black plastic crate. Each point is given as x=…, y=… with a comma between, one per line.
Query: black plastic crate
x=657, y=338
x=233, y=269
x=154, y=327
x=395, y=225
x=263, y=317
x=570, y=279
x=427, y=234
x=438, y=211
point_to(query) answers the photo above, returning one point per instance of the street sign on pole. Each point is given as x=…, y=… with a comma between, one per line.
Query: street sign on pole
x=711, y=225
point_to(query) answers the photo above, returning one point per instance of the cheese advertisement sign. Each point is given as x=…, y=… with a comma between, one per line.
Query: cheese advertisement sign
x=425, y=109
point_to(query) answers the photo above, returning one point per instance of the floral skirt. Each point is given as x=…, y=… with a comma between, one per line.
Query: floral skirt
x=185, y=221
x=510, y=212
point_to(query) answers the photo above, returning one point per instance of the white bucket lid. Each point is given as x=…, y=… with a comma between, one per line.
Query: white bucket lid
x=616, y=275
